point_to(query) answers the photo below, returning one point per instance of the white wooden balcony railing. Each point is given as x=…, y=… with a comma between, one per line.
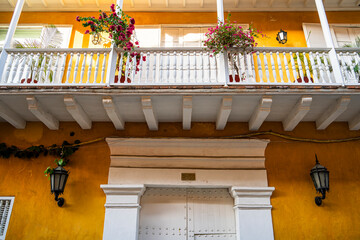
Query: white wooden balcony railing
x=349, y=59
x=178, y=66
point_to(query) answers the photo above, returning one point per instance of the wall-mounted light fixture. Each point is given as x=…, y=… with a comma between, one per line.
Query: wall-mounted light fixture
x=320, y=177
x=58, y=180
x=281, y=37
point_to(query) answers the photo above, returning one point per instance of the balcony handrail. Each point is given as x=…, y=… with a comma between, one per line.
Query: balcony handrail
x=283, y=49
x=347, y=49
x=167, y=49
x=58, y=50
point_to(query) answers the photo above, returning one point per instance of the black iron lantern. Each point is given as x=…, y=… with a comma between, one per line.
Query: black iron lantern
x=58, y=180
x=96, y=39
x=281, y=37
x=320, y=177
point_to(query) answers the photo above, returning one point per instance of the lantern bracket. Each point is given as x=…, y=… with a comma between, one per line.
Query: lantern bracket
x=60, y=201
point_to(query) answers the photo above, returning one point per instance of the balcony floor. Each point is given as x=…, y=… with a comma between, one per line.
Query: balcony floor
x=218, y=105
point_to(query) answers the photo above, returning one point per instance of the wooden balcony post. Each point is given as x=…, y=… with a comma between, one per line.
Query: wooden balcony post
x=329, y=42
x=111, y=68
x=9, y=35
x=223, y=60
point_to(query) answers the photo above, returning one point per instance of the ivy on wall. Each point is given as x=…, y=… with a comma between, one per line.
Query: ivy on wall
x=63, y=151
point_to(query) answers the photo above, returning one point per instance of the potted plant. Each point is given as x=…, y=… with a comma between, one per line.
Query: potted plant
x=120, y=28
x=228, y=35
x=50, y=37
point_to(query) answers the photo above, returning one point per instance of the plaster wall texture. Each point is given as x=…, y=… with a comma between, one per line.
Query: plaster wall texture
x=288, y=163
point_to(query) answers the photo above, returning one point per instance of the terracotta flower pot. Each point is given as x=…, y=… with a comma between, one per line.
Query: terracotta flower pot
x=306, y=80
x=237, y=78
x=122, y=79
x=29, y=80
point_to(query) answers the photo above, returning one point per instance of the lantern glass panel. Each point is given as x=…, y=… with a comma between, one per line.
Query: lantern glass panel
x=316, y=180
x=57, y=177
x=52, y=182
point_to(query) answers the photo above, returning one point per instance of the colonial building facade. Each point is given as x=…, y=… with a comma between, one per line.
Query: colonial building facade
x=190, y=146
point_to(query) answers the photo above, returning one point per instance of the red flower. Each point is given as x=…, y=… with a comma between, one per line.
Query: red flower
x=87, y=32
x=144, y=58
x=78, y=18
x=132, y=21
x=137, y=43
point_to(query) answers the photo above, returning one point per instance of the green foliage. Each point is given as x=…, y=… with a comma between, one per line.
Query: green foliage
x=63, y=151
x=227, y=35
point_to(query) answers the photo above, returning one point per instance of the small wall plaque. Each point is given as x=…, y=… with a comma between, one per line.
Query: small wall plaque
x=188, y=177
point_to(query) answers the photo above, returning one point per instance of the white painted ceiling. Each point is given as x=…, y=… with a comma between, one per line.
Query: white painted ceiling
x=182, y=5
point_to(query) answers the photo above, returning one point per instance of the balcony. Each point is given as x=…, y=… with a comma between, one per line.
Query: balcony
x=178, y=67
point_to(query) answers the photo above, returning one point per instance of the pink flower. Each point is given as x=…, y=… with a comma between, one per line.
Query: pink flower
x=137, y=43
x=100, y=17
x=87, y=32
x=144, y=58
x=112, y=7
x=78, y=18
x=132, y=21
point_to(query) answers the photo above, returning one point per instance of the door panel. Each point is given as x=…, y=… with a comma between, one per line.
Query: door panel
x=191, y=214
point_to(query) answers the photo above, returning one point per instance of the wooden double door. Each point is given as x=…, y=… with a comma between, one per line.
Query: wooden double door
x=187, y=214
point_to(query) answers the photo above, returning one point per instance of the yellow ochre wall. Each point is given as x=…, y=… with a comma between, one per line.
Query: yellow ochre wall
x=268, y=22
x=295, y=215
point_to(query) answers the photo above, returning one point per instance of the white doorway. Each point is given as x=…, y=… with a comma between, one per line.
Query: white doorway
x=187, y=214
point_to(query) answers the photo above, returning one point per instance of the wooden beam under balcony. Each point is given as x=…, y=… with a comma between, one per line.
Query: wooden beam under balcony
x=297, y=113
x=354, y=123
x=149, y=114
x=260, y=114
x=77, y=112
x=113, y=113
x=40, y=113
x=224, y=113
x=332, y=113
x=187, y=112
x=11, y=117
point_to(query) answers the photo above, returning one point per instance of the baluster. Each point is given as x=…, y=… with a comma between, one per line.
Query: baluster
x=127, y=67
x=293, y=67
x=300, y=67
x=195, y=68
x=8, y=68
x=62, y=69
x=272, y=61
x=28, y=67
x=168, y=67
x=281, y=74
x=356, y=61
x=76, y=67
x=83, y=69
x=232, y=64
x=147, y=66
x=154, y=67
x=69, y=68
x=327, y=67
x=56, y=67
x=259, y=66
x=14, y=69
x=103, y=69
x=22, y=67
x=96, y=70
x=248, y=77
x=307, y=69
x=42, y=73
x=90, y=68
x=208, y=65
x=240, y=72
x=161, y=67
x=181, y=67
x=314, y=67
x=133, y=69
x=120, y=71
x=267, y=73
x=188, y=65
x=140, y=67
x=322, y=77
x=252, y=64
x=48, y=69
x=36, y=70
x=287, y=70
x=175, y=66
x=202, y=71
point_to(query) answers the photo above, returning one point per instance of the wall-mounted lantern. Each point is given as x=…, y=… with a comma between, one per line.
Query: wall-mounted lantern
x=58, y=180
x=281, y=37
x=320, y=177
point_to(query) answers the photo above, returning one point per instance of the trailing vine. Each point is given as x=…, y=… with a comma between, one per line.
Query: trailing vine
x=63, y=151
